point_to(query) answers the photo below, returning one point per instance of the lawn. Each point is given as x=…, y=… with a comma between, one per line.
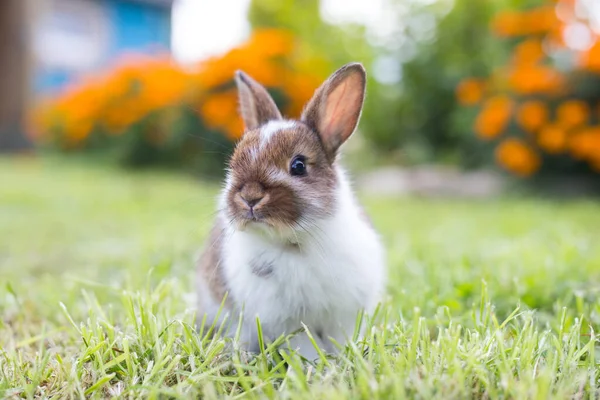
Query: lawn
x=487, y=299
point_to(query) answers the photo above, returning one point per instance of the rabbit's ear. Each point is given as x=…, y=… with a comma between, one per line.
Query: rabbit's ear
x=335, y=108
x=257, y=106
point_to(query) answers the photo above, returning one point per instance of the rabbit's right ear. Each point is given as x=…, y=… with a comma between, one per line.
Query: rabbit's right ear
x=335, y=108
x=257, y=106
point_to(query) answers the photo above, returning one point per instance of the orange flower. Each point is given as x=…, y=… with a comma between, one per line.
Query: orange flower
x=573, y=113
x=493, y=117
x=118, y=119
x=77, y=132
x=234, y=129
x=299, y=89
x=534, y=21
x=529, y=52
x=517, y=157
x=470, y=91
x=542, y=19
x=552, y=138
x=271, y=42
x=162, y=84
x=532, y=79
x=256, y=57
x=531, y=115
x=585, y=144
x=590, y=59
x=219, y=108
x=508, y=23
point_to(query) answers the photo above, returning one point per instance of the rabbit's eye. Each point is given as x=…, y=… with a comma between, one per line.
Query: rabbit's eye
x=298, y=166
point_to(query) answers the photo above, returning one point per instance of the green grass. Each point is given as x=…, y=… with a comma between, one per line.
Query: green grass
x=487, y=299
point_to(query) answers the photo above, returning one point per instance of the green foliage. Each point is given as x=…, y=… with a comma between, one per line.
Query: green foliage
x=427, y=122
x=324, y=45
x=486, y=300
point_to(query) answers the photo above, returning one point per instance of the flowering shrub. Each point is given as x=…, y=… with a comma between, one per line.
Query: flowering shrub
x=149, y=109
x=534, y=110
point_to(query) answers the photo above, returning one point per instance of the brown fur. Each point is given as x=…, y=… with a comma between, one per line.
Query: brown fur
x=209, y=264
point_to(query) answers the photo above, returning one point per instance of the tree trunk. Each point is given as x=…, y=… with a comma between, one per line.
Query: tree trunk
x=14, y=68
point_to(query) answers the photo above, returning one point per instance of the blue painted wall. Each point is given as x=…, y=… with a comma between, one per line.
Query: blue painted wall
x=133, y=27
x=138, y=27
x=50, y=80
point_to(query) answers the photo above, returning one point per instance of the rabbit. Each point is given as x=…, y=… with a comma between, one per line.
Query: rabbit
x=291, y=245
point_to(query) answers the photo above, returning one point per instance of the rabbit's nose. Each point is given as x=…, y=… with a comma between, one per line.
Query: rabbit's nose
x=252, y=201
x=252, y=194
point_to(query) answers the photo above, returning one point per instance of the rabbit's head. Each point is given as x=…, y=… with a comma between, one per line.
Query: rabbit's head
x=282, y=174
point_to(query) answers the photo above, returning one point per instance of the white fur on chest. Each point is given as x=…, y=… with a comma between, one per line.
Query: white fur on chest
x=336, y=271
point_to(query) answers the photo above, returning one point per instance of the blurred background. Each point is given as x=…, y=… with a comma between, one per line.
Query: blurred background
x=457, y=88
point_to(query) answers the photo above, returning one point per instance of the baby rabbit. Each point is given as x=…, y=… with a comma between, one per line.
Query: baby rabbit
x=291, y=243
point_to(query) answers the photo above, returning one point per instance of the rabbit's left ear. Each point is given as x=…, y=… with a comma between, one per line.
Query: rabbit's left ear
x=335, y=108
x=256, y=104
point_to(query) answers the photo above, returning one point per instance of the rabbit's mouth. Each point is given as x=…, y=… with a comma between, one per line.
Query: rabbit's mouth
x=277, y=232
x=253, y=218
